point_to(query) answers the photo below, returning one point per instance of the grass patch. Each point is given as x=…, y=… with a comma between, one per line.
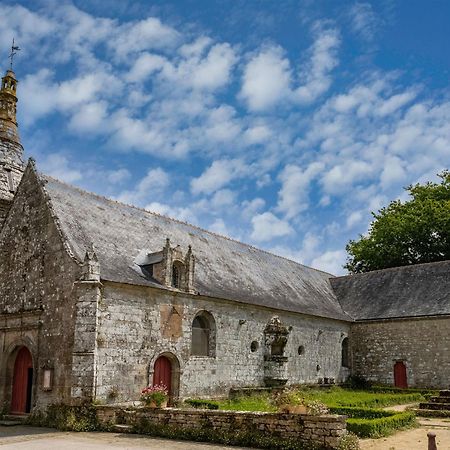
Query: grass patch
x=334, y=397
x=338, y=396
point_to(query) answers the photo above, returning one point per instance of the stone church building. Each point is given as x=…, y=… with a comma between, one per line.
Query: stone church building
x=99, y=299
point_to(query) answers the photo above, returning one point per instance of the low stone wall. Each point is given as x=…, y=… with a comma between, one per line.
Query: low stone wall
x=324, y=431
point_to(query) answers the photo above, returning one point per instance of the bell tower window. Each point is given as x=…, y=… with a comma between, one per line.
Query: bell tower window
x=10, y=180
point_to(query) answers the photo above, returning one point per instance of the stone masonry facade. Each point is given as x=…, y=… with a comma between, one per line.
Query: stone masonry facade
x=423, y=345
x=136, y=325
x=37, y=306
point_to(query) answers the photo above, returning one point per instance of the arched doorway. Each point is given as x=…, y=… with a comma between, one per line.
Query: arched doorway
x=163, y=373
x=166, y=370
x=22, y=382
x=400, y=379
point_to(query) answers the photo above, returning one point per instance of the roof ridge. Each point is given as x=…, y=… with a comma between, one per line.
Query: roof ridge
x=387, y=269
x=46, y=177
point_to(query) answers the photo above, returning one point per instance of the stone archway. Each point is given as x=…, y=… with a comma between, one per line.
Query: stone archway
x=165, y=369
x=22, y=381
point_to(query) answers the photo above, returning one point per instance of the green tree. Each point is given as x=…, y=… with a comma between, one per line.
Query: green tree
x=405, y=233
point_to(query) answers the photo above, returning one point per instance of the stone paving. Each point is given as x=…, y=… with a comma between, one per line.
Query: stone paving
x=33, y=438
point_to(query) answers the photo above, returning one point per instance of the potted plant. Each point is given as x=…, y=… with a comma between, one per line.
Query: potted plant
x=155, y=396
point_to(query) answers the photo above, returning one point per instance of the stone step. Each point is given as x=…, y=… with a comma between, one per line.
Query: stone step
x=435, y=406
x=445, y=393
x=16, y=417
x=439, y=400
x=431, y=413
x=11, y=420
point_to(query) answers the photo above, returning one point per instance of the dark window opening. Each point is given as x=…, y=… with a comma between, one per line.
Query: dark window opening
x=176, y=275
x=277, y=347
x=148, y=270
x=345, y=353
x=200, y=336
x=254, y=346
x=301, y=350
x=10, y=180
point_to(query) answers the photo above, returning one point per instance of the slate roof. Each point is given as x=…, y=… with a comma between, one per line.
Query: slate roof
x=409, y=291
x=224, y=268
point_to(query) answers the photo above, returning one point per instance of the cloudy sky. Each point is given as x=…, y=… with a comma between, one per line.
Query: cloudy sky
x=282, y=124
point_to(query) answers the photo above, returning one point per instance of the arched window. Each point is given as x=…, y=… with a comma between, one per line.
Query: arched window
x=203, y=335
x=345, y=353
x=175, y=276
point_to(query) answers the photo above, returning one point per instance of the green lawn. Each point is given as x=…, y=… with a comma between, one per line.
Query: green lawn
x=333, y=397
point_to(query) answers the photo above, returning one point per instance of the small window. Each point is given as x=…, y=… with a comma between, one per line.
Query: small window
x=203, y=335
x=254, y=346
x=301, y=350
x=345, y=353
x=10, y=181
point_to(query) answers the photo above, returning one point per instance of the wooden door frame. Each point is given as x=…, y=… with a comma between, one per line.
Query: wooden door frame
x=175, y=373
x=9, y=375
x=397, y=363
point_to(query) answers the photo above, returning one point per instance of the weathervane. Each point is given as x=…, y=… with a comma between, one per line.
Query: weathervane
x=14, y=50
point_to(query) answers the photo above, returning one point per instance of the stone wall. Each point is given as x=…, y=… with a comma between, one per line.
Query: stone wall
x=36, y=301
x=137, y=324
x=325, y=431
x=422, y=344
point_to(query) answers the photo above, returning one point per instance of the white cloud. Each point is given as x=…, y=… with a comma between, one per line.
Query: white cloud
x=331, y=262
x=294, y=193
x=183, y=214
x=218, y=175
x=323, y=61
x=146, y=34
x=89, y=118
x=223, y=198
x=258, y=134
x=266, y=79
x=145, y=65
x=267, y=226
x=154, y=182
x=219, y=227
x=118, y=176
x=363, y=20
x=58, y=166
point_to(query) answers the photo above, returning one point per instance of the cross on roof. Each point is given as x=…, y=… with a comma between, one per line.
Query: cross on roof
x=14, y=50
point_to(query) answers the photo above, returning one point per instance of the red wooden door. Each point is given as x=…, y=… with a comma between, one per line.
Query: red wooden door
x=22, y=382
x=400, y=379
x=163, y=372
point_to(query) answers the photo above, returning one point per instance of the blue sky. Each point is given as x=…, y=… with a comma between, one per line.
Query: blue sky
x=282, y=124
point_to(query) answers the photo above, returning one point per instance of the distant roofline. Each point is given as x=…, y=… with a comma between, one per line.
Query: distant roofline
x=102, y=197
x=387, y=269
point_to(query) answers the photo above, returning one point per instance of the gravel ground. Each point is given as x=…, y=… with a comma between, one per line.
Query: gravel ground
x=33, y=438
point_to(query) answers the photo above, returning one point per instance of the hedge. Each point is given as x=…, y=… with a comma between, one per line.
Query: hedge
x=361, y=413
x=383, y=426
x=202, y=404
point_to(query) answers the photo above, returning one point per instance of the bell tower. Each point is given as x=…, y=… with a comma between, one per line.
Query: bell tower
x=11, y=150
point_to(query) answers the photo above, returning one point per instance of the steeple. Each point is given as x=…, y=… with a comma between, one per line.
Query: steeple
x=11, y=150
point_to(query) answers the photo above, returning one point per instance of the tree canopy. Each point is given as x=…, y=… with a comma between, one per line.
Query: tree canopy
x=404, y=233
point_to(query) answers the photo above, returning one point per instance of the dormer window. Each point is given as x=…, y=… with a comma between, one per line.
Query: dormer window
x=171, y=267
